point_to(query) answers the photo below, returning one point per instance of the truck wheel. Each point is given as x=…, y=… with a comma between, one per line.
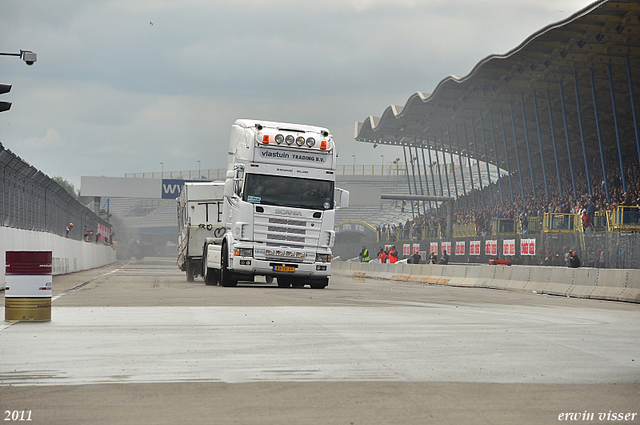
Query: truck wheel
x=269, y=279
x=210, y=276
x=298, y=283
x=226, y=279
x=284, y=282
x=319, y=284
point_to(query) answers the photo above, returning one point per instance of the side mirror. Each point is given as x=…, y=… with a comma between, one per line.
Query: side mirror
x=228, y=187
x=342, y=198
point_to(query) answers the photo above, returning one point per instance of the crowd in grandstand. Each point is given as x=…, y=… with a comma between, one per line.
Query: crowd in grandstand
x=495, y=200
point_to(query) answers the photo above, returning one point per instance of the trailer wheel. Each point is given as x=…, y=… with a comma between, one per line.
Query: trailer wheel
x=226, y=278
x=192, y=271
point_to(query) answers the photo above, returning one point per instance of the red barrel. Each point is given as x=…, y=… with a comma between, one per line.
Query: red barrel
x=28, y=280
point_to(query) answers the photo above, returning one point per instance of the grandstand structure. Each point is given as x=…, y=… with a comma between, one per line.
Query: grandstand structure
x=558, y=112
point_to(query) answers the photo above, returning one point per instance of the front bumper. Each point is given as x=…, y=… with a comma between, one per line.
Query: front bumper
x=249, y=265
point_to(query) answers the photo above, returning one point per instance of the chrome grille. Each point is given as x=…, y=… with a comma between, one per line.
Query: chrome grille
x=287, y=230
x=287, y=222
x=286, y=238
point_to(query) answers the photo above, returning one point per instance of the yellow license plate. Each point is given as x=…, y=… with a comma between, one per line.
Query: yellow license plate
x=284, y=269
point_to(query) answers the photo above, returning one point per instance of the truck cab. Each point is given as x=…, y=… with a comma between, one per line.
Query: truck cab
x=279, y=206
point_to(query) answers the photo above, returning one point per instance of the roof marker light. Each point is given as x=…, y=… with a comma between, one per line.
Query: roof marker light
x=265, y=138
x=323, y=144
x=289, y=139
x=311, y=141
x=300, y=141
x=279, y=138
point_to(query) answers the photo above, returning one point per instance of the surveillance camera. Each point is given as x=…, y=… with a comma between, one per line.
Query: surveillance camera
x=29, y=57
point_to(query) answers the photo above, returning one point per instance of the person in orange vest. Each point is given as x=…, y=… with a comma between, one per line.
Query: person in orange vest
x=393, y=255
x=382, y=256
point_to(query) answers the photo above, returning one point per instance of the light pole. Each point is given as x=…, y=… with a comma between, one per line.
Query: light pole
x=382, y=163
x=162, y=172
x=198, y=169
x=354, y=163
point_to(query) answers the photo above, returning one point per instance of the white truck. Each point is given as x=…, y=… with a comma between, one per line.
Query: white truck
x=199, y=217
x=279, y=206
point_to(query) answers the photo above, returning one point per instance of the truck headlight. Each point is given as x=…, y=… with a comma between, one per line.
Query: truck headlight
x=323, y=258
x=244, y=252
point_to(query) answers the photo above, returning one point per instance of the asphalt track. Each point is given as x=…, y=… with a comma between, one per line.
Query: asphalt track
x=135, y=343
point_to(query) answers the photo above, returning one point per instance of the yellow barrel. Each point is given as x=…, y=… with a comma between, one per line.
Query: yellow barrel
x=28, y=281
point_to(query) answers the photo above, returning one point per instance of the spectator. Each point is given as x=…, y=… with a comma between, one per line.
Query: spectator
x=382, y=256
x=432, y=258
x=364, y=255
x=574, y=260
x=444, y=259
x=415, y=258
x=69, y=227
x=393, y=255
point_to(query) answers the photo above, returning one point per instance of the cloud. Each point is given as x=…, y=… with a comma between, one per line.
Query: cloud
x=113, y=94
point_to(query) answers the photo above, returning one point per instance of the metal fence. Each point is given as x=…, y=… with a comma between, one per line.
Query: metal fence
x=31, y=200
x=595, y=249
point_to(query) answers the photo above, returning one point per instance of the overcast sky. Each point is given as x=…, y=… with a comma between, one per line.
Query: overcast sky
x=121, y=85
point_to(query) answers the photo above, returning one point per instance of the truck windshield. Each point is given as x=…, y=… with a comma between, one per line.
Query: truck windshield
x=288, y=192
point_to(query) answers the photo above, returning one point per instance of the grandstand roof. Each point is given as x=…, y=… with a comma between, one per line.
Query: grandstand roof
x=594, y=50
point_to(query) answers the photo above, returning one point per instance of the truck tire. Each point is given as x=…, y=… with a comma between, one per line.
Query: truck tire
x=319, y=284
x=210, y=276
x=226, y=278
x=298, y=283
x=284, y=282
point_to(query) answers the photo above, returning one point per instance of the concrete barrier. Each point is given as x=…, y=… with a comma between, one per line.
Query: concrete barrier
x=539, y=279
x=69, y=255
x=400, y=271
x=501, y=276
x=520, y=277
x=605, y=284
x=486, y=277
x=560, y=282
x=459, y=275
x=621, y=284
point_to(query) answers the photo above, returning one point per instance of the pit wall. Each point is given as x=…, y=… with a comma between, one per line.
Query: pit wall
x=68, y=255
x=604, y=284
